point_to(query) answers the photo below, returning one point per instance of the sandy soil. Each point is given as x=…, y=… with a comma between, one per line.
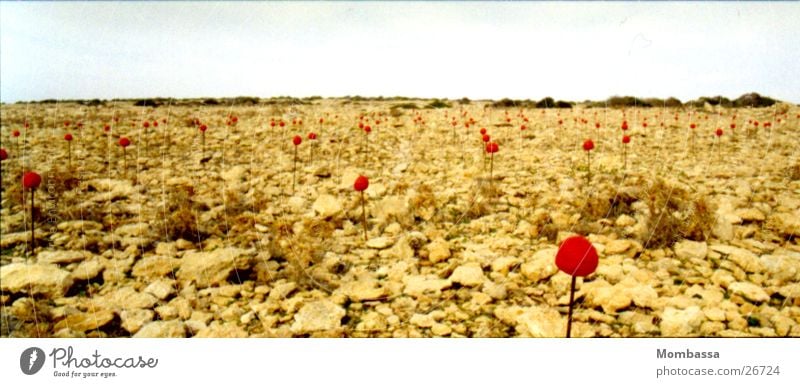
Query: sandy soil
x=696, y=233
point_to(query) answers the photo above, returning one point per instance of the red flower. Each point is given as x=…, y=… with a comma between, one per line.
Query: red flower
x=297, y=140
x=106, y=128
x=692, y=126
x=485, y=138
x=146, y=124
x=281, y=124
x=68, y=136
x=588, y=145
x=626, y=139
x=124, y=142
x=624, y=125
x=31, y=180
x=733, y=126
x=312, y=136
x=367, y=129
x=576, y=256
x=15, y=133
x=492, y=147
x=203, y=128
x=597, y=125
x=718, y=132
x=483, y=130
x=3, y=154
x=361, y=183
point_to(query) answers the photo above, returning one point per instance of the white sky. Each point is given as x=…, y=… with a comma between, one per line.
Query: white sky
x=479, y=50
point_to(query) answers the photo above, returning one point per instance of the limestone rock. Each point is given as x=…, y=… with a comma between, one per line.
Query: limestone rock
x=541, y=266
x=154, y=267
x=468, y=275
x=83, y=322
x=320, y=315
x=159, y=329
x=420, y=285
x=681, y=323
x=45, y=279
x=749, y=291
x=380, y=242
x=134, y=319
x=687, y=249
x=327, y=206
x=534, y=321
x=212, y=268
x=438, y=250
x=62, y=256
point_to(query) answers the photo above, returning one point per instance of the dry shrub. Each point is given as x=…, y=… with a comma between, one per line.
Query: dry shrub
x=675, y=215
x=302, y=252
x=181, y=214
x=423, y=204
x=793, y=172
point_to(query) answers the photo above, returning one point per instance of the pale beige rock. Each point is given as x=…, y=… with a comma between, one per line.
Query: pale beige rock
x=438, y=250
x=749, y=291
x=687, y=249
x=327, y=206
x=134, y=319
x=541, y=266
x=534, y=321
x=212, y=268
x=83, y=322
x=62, y=257
x=36, y=279
x=320, y=315
x=162, y=329
x=470, y=274
x=681, y=322
x=425, y=284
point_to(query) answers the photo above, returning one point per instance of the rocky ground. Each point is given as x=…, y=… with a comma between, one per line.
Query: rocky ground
x=696, y=234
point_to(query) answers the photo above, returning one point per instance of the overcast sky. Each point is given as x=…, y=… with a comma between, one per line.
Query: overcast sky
x=478, y=50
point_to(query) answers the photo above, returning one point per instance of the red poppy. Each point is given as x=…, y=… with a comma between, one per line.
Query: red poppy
x=31, y=180
x=361, y=183
x=588, y=145
x=576, y=256
x=492, y=147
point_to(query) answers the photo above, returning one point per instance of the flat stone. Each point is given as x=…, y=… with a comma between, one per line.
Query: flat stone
x=315, y=316
x=687, y=249
x=327, y=206
x=87, y=270
x=134, y=319
x=438, y=250
x=745, y=259
x=681, y=323
x=44, y=279
x=420, y=285
x=468, y=275
x=212, y=268
x=162, y=329
x=62, y=256
x=154, y=267
x=541, y=266
x=534, y=321
x=83, y=322
x=359, y=291
x=162, y=288
x=125, y=298
x=749, y=291
x=380, y=242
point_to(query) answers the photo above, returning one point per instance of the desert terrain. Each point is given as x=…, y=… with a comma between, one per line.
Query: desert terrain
x=238, y=232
